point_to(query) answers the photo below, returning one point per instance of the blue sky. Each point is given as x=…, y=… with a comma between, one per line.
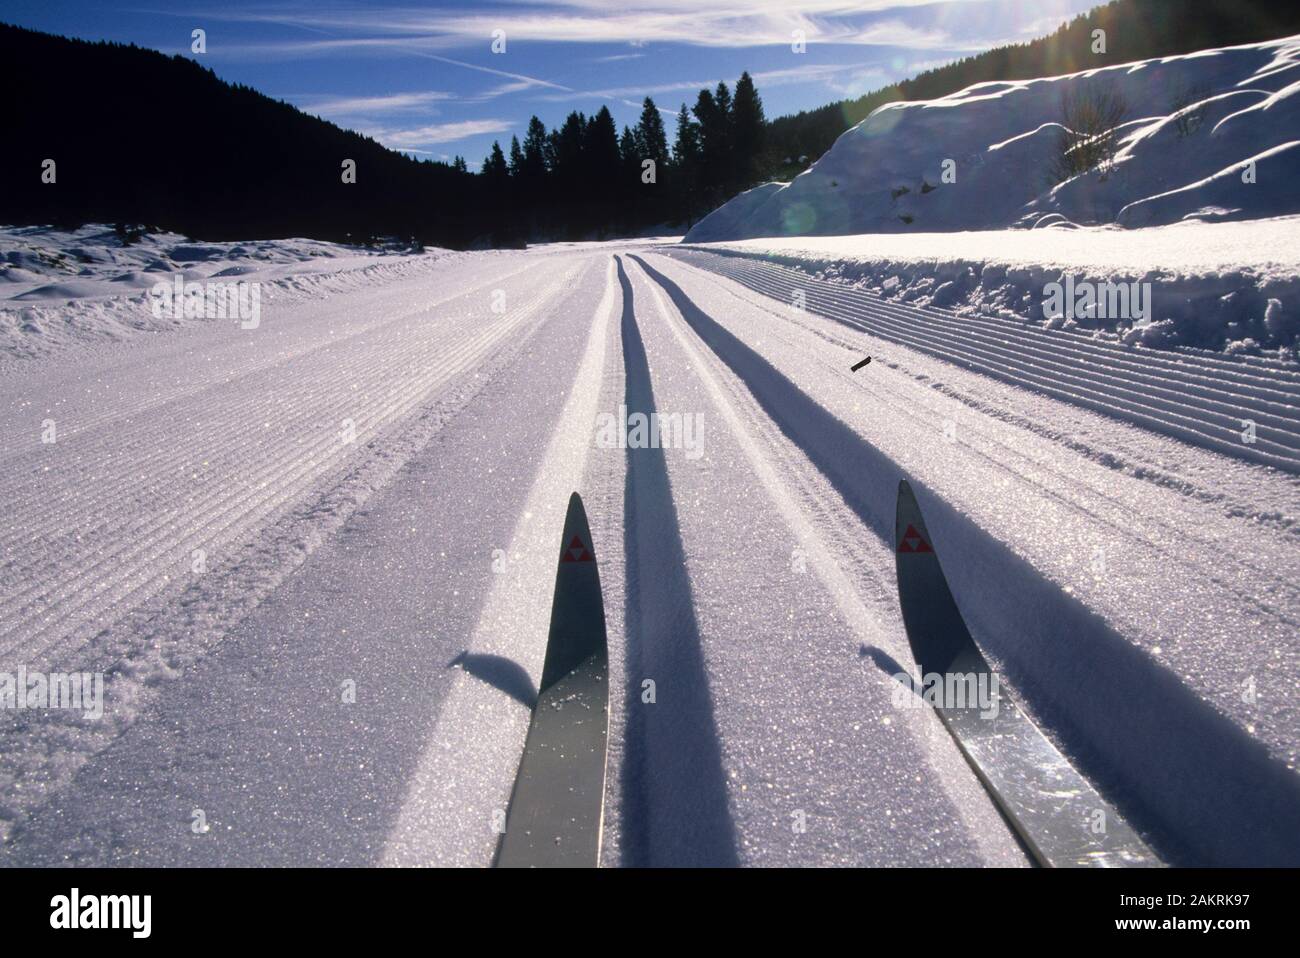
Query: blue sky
x=422, y=77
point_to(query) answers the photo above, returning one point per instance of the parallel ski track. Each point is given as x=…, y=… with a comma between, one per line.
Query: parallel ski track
x=1193, y=396
x=1258, y=590
x=291, y=432
x=1246, y=575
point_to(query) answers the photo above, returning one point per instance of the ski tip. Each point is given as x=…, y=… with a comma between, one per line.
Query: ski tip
x=935, y=627
x=575, y=544
x=578, y=610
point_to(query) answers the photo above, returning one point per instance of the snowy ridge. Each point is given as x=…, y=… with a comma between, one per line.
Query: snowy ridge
x=1228, y=287
x=981, y=158
x=1203, y=399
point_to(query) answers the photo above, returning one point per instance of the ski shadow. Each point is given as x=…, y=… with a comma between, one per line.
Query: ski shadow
x=1202, y=790
x=504, y=675
x=890, y=666
x=883, y=661
x=675, y=810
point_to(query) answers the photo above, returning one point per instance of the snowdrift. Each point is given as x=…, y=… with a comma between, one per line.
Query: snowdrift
x=1229, y=287
x=1192, y=125
x=91, y=284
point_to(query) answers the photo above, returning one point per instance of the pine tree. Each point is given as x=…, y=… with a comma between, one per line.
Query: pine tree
x=629, y=178
x=715, y=120
x=722, y=96
x=748, y=127
x=535, y=150
x=567, y=185
x=516, y=158
x=650, y=135
x=601, y=165
x=686, y=147
x=530, y=191
x=600, y=146
x=494, y=167
x=686, y=165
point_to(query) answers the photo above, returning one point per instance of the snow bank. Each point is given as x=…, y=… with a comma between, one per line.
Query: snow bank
x=61, y=287
x=1225, y=286
x=980, y=158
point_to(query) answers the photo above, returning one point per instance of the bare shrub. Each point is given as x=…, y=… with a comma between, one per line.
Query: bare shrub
x=1189, y=108
x=1090, y=115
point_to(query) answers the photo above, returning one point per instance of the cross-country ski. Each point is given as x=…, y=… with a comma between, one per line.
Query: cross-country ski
x=1060, y=817
x=557, y=807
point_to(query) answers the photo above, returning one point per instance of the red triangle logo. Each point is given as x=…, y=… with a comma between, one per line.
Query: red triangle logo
x=577, y=552
x=913, y=541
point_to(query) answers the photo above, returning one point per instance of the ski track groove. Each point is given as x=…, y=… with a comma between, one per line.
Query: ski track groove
x=1270, y=375
x=287, y=469
x=233, y=514
x=1238, y=805
x=797, y=492
x=203, y=380
x=166, y=459
x=1122, y=390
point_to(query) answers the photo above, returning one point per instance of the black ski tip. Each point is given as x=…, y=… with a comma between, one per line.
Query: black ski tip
x=577, y=611
x=935, y=628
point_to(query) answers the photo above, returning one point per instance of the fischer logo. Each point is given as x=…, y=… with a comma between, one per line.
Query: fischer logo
x=134, y=912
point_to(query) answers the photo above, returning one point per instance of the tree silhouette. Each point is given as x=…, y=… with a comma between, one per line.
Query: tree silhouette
x=277, y=170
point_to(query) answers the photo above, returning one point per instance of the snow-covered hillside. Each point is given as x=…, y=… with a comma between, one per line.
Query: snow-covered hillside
x=981, y=158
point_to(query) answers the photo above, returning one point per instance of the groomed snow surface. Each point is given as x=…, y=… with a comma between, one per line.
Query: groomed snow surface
x=314, y=559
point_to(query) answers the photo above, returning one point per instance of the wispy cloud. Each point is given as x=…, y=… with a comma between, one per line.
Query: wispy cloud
x=436, y=133
x=517, y=77
x=719, y=23
x=368, y=105
x=810, y=73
